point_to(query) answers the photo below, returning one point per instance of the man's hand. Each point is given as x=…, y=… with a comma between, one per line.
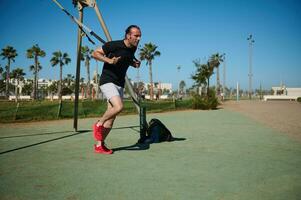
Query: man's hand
x=114, y=60
x=136, y=63
x=99, y=54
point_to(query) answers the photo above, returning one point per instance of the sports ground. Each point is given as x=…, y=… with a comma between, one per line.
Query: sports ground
x=223, y=154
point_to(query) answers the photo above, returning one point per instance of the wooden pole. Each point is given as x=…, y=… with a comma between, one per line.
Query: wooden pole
x=79, y=44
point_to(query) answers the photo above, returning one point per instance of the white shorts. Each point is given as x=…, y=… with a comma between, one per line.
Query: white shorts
x=110, y=90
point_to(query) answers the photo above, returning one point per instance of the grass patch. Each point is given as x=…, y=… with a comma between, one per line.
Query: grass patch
x=48, y=110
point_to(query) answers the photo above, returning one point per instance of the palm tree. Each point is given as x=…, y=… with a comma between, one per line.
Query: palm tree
x=35, y=71
x=18, y=75
x=182, y=85
x=69, y=80
x=2, y=87
x=8, y=53
x=86, y=56
x=35, y=52
x=1, y=81
x=203, y=74
x=27, y=88
x=215, y=61
x=1, y=71
x=148, y=53
x=60, y=59
x=52, y=89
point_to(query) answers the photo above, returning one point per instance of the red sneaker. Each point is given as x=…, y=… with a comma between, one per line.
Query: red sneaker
x=97, y=132
x=102, y=149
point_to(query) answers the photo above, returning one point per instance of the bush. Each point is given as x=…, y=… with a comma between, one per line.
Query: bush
x=183, y=104
x=66, y=91
x=299, y=99
x=205, y=103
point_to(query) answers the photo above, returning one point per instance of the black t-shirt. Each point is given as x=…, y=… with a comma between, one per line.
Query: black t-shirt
x=116, y=73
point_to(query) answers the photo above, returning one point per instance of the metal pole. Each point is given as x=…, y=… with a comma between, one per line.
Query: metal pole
x=251, y=41
x=260, y=95
x=237, y=91
x=143, y=124
x=178, y=68
x=224, y=76
x=109, y=38
x=217, y=82
x=250, y=70
x=251, y=74
x=79, y=44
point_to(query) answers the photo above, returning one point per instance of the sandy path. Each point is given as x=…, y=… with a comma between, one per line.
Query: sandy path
x=284, y=116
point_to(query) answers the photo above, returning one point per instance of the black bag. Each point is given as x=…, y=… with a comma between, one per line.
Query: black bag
x=157, y=132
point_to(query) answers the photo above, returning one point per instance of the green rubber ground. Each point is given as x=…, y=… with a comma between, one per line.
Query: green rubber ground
x=224, y=156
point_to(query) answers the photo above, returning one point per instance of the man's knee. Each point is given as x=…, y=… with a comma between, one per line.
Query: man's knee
x=118, y=108
x=116, y=104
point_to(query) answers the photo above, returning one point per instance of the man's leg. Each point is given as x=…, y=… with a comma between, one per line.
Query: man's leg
x=108, y=124
x=114, y=108
x=105, y=123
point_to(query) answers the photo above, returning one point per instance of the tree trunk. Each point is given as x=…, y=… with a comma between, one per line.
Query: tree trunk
x=16, y=90
x=37, y=86
x=35, y=77
x=88, y=79
x=151, y=80
x=60, y=83
x=217, y=81
x=7, y=79
x=208, y=88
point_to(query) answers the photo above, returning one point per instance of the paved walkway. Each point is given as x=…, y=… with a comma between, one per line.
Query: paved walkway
x=225, y=155
x=283, y=116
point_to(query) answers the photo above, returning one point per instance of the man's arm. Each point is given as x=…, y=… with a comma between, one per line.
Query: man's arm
x=99, y=54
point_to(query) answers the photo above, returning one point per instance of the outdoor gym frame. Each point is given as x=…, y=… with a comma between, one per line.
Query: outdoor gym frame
x=81, y=4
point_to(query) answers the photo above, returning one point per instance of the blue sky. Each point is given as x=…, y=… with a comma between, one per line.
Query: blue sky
x=183, y=30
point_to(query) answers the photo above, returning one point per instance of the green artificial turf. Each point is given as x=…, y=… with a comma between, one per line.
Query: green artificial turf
x=224, y=156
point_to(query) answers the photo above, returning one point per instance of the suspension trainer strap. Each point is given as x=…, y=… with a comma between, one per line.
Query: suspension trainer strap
x=80, y=25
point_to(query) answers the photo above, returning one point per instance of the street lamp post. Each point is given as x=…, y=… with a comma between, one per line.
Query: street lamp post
x=178, y=68
x=251, y=41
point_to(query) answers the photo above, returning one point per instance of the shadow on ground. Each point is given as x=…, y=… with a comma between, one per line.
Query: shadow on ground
x=135, y=147
x=54, y=139
x=141, y=146
x=43, y=142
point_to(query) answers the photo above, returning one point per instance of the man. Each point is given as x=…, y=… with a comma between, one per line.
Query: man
x=117, y=57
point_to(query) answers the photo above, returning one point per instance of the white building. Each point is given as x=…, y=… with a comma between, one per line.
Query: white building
x=44, y=83
x=158, y=85
x=41, y=82
x=283, y=93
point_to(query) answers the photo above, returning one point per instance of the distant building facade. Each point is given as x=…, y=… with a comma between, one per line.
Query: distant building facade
x=283, y=93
